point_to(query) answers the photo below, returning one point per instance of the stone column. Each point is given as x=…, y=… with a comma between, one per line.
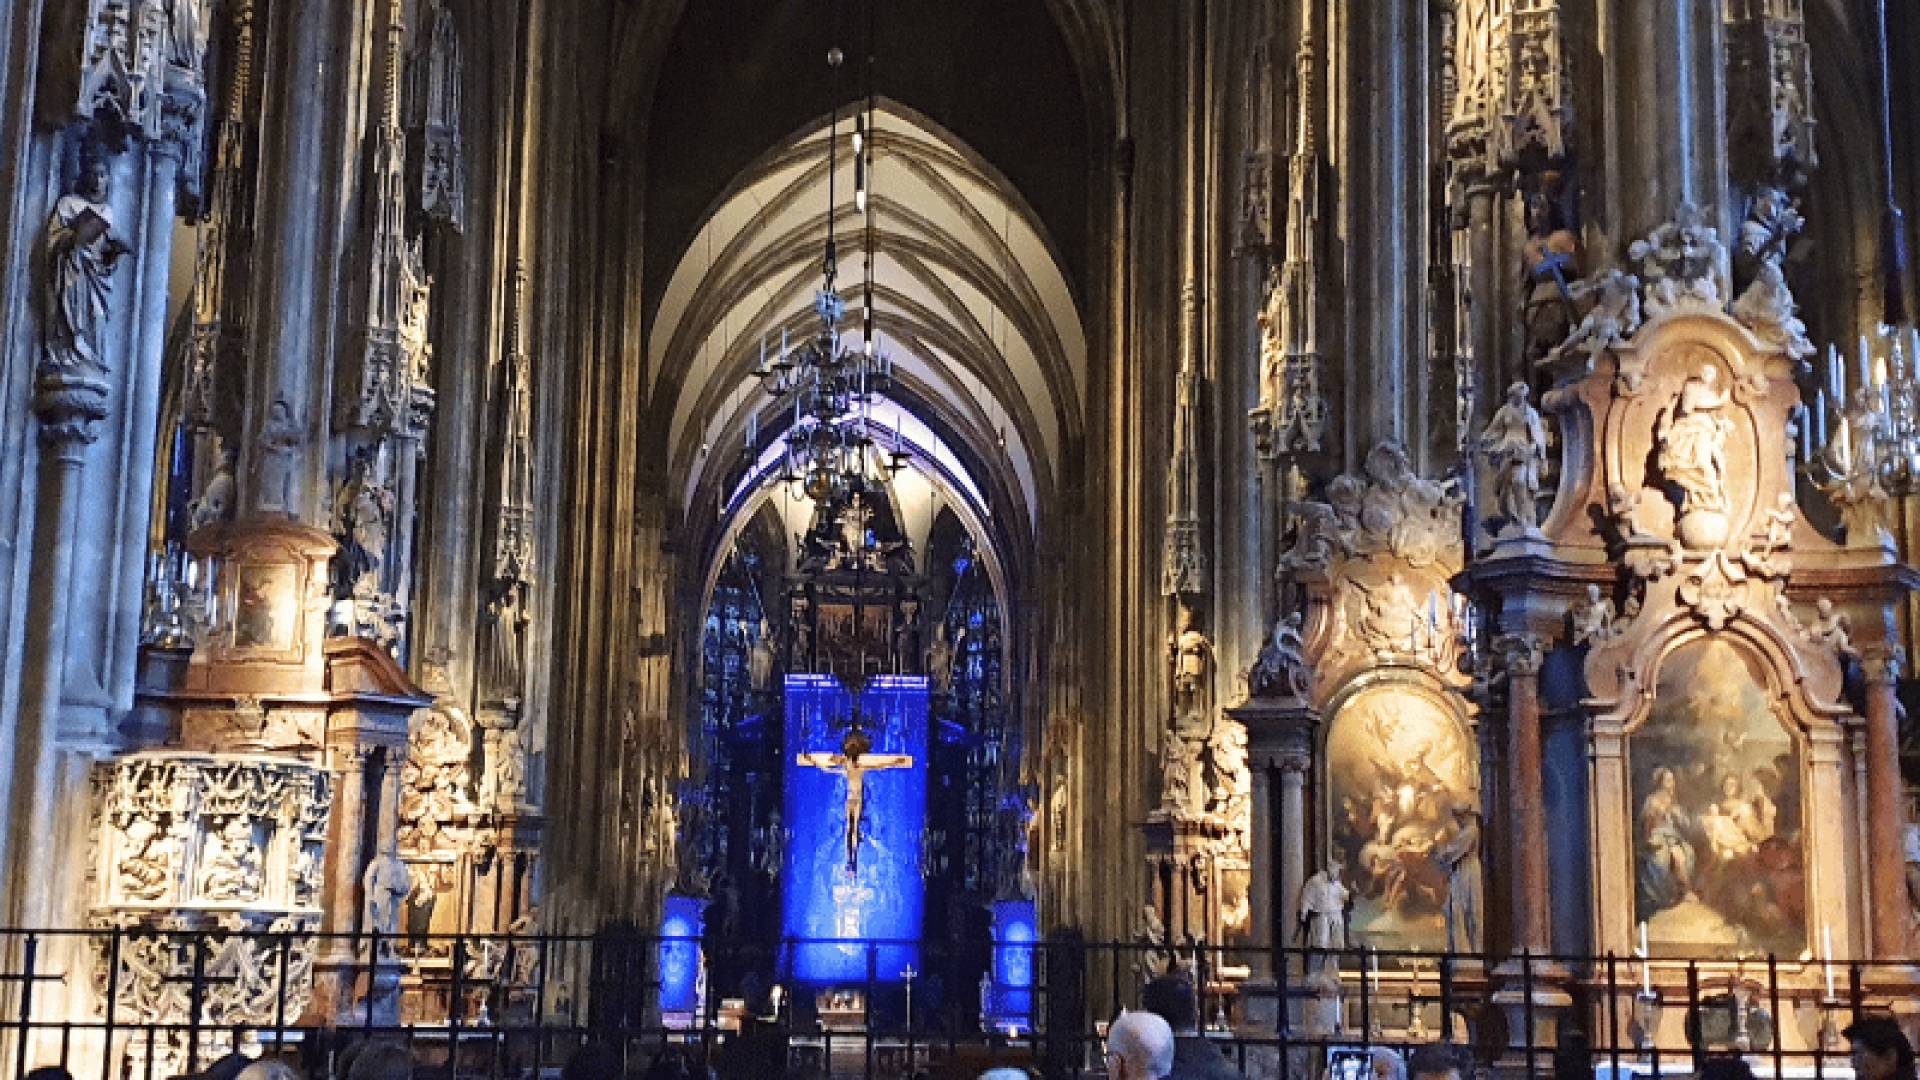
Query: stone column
x=1522, y=655
x=1293, y=853
x=316, y=53
x=1384, y=51
x=339, y=959
x=1886, y=809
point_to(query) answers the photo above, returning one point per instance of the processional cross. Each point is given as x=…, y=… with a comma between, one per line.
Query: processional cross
x=854, y=763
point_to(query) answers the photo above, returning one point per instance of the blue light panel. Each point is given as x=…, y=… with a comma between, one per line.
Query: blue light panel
x=877, y=911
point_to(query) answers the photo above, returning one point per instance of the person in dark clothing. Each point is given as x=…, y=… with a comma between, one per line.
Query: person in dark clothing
x=1195, y=1057
x=1724, y=1067
x=1880, y=1049
x=1437, y=1061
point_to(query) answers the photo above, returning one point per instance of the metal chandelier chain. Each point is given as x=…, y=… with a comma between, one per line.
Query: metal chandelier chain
x=829, y=385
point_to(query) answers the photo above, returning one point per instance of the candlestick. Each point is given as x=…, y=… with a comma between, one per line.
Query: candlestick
x=1826, y=947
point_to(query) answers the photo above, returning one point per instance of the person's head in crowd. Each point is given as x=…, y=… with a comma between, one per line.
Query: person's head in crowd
x=1386, y=1064
x=1139, y=1047
x=226, y=1067
x=268, y=1069
x=1170, y=997
x=1724, y=1067
x=49, y=1072
x=594, y=1061
x=383, y=1059
x=1436, y=1061
x=1880, y=1049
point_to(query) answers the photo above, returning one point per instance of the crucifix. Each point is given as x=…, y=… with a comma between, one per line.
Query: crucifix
x=854, y=763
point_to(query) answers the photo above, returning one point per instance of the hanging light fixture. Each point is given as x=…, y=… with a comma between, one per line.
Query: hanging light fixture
x=1873, y=451
x=828, y=384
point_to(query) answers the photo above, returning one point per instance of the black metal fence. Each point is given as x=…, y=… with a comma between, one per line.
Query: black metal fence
x=149, y=1003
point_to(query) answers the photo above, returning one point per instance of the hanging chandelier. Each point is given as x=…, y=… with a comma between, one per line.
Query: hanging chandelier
x=828, y=383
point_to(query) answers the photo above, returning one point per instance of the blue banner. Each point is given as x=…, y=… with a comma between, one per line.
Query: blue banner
x=854, y=881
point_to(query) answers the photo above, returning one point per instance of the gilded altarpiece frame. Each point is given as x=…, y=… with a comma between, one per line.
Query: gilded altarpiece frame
x=1397, y=766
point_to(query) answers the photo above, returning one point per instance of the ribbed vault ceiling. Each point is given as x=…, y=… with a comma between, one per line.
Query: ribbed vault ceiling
x=972, y=306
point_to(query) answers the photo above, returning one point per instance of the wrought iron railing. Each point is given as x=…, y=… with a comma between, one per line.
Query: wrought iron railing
x=148, y=1003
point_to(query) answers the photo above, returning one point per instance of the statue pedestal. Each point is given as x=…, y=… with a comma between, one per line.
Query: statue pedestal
x=1534, y=1000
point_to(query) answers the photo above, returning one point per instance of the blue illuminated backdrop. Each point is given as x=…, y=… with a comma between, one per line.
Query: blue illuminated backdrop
x=883, y=901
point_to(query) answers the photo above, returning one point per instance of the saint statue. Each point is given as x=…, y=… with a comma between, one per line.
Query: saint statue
x=1323, y=913
x=1192, y=659
x=386, y=884
x=760, y=657
x=81, y=250
x=854, y=762
x=940, y=660
x=275, y=472
x=146, y=870
x=1458, y=856
x=215, y=501
x=1515, y=445
x=1692, y=435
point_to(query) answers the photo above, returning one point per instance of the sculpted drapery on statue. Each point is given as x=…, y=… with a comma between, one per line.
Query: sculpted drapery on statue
x=1515, y=444
x=81, y=250
x=1692, y=437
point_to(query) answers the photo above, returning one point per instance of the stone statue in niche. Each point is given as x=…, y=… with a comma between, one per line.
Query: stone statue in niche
x=1180, y=782
x=1692, y=438
x=1551, y=256
x=230, y=865
x=1192, y=661
x=506, y=775
x=81, y=250
x=1766, y=304
x=1515, y=444
x=214, y=504
x=940, y=659
x=1458, y=855
x=385, y=885
x=760, y=658
x=275, y=471
x=1156, y=958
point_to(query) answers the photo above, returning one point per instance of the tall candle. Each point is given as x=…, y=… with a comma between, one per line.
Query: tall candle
x=1836, y=377
x=1820, y=414
x=1826, y=947
x=1646, y=964
x=1864, y=360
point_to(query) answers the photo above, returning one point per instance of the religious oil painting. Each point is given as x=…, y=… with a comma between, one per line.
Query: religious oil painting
x=1405, y=805
x=263, y=609
x=1716, y=803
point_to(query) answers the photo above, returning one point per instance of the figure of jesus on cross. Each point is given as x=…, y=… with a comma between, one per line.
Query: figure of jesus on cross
x=855, y=763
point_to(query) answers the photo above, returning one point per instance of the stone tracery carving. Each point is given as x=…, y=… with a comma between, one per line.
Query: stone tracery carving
x=434, y=781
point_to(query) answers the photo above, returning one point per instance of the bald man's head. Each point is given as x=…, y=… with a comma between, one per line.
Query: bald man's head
x=1140, y=1044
